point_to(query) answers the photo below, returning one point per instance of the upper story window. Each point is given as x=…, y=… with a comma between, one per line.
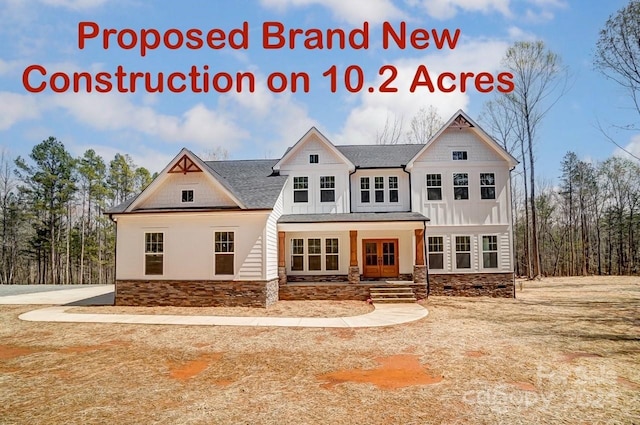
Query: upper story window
x=365, y=185
x=463, y=252
x=436, y=252
x=187, y=195
x=379, y=186
x=153, y=253
x=314, y=158
x=461, y=186
x=487, y=186
x=459, y=155
x=393, y=189
x=223, y=252
x=327, y=189
x=434, y=187
x=301, y=189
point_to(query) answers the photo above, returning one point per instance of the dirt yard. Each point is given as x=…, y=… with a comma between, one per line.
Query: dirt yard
x=565, y=351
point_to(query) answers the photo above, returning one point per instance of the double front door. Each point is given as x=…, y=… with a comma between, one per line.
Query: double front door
x=380, y=257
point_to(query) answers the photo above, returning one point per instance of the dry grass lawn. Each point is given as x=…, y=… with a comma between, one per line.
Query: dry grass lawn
x=565, y=351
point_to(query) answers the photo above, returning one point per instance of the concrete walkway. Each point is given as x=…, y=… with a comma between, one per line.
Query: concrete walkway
x=383, y=315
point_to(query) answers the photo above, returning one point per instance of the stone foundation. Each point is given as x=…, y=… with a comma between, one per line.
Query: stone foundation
x=196, y=293
x=282, y=275
x=497, y=285
x=318, y=278
x=341, y=291
x=420, y=274
x=354, y=274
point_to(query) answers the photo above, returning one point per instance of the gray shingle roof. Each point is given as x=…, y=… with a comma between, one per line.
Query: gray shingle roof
x=351, y=217
x=251, y=181
x=379, y=156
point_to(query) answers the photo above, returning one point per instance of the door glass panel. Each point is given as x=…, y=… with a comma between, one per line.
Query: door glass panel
x=371, y=253
x=388, y=253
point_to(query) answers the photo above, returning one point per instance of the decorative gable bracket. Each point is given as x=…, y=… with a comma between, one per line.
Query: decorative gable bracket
x=185, y=165
x=461, y=122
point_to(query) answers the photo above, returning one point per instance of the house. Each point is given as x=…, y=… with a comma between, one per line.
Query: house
x=322, y=222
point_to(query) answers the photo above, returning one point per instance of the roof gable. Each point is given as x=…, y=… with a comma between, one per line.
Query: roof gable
x=460, y=120
x=313, y=142
x=187, y=171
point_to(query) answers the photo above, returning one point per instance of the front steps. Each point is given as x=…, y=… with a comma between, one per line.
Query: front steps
x=392, y=295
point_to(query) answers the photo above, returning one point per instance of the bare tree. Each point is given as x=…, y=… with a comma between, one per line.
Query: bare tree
x=215, y=154
x=539, y=81
x=391, y=132
x=424, y=124
x=618, y=49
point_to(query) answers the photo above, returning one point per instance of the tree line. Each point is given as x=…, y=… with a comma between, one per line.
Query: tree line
x=53, y=228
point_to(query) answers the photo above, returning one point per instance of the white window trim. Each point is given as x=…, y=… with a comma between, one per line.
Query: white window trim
x=323, y=255
x=361, y=190
x=454, y=251
x=497, y=251
x=443, y=252
x=193, y=196
x=213, y=245
x=144, y=251
x=426, y=190
x=468, y=186
x=495, y=187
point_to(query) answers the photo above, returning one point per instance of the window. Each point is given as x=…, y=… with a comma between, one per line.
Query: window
x=327, y=189
x=224, y=249
x=490, y=252
x=315, y=254
x=297, y=254
x=461, y=186
x=364, y=190
x=331, y=254
x=463, y=252
x=436, y=252
x=187, y=195
x=153, y=253
x=301, y=189
x=313, y=158
x=487, y=186
x=459, y=155
x=379, y=186
x=393, y=189
x=434, y=187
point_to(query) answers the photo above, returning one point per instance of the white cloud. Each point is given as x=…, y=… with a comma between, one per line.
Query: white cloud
x=518, y=34
x=447, y=9
x=351, y=11
x=17, y=107
x=369, y=117
x=632, y=147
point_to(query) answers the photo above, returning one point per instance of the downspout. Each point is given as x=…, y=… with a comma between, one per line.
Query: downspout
x=426, y=259
x=512, y=246
x=404, y=168
x=350, y=193
x=115, y=257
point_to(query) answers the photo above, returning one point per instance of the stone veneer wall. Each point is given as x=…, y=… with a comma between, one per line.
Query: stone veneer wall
x=498, y=285
x=342, y=278
x=196, y=293
x=341, y=291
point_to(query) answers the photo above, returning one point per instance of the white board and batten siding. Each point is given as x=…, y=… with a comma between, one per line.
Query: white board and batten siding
x=271, y=239
x=403, y=203
x=206, y=193
x=189, y=244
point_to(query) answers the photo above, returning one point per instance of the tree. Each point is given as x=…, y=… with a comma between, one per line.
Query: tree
x=618, y=49
x=121, y=179
x=539, y=82
x=48, y=186
x=424, y=124
x=391, y=132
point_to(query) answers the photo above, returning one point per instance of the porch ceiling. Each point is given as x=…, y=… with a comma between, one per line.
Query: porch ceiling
x=352, y=221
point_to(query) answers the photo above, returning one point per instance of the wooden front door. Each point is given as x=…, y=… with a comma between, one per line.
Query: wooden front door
x=380, y=257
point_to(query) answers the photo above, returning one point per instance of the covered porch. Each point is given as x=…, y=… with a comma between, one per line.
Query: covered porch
x=342, y=256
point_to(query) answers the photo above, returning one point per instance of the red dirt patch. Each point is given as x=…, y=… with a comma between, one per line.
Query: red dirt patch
x=401, y=370
x=475, y=353
x=569, y=357
x=627, y=383
x=188, y=370
x=525, y=386
x=8, y=352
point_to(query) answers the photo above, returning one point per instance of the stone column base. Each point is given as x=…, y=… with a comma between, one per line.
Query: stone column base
x=282, y=275
x=354, y=274
x=420, y=274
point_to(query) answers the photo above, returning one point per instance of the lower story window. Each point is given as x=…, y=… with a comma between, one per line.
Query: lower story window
x=436, y=252
x=331, y=254
x=320, y=255
x=463, y=252
x=297, y=254
x=224, y=250
x=490, y=252
x=315, y=254
x=153, y=253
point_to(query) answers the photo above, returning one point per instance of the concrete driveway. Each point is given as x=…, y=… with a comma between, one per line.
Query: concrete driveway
x=57, y=294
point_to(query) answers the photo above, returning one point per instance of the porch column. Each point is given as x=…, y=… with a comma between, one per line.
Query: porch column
x=354, y=270
x=282, y=267
x=419, y=268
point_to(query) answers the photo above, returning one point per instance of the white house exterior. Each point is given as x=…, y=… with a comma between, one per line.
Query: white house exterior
x=322, y=222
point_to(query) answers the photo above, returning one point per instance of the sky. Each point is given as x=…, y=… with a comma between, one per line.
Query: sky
x=153, y=127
